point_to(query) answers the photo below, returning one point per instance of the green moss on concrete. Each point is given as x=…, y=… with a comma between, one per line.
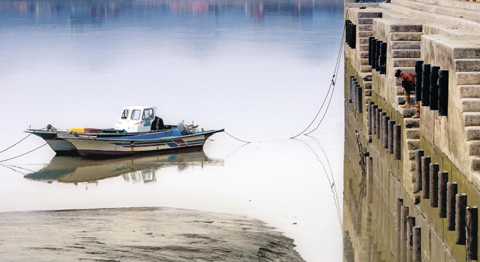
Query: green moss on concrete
x=447, y=166
x=437, y=156
x=464, y=186
x=387, y=173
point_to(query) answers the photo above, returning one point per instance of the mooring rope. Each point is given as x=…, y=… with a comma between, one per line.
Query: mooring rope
x=237, y=138
x=15, y=143
x=331, y=87
x=23, y=153
x=337, y=66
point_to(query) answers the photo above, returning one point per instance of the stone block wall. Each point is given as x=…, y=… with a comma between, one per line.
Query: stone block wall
x=440, y=33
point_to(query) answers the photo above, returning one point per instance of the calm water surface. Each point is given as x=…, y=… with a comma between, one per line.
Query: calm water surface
x=259, y=69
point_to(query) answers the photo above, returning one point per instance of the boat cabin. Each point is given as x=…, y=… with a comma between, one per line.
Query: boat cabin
x=137, y=119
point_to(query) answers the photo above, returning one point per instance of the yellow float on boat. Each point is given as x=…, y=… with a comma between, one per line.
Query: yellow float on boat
x=77, y=129
x=81, y=130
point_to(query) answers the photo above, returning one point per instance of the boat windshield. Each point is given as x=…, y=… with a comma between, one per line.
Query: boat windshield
x=148, y=113
x=124, y=114
x=135, y=114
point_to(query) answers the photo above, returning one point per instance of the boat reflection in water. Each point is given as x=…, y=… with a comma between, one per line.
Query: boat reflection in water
x=69, y=169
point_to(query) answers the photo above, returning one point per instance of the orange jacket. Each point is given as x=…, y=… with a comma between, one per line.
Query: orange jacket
x=408, y=81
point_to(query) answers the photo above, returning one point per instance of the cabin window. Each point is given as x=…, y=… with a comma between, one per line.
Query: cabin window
x=148, y=113
x=136, y=114
x=125, y=114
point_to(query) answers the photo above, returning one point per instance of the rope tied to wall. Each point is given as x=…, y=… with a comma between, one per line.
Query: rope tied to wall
x=331, y=89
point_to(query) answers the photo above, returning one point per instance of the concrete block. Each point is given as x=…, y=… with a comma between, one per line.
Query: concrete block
x=406, y=53
x=406, y=28
x=466, y=53
x=414, y=144
x=443, y=50
x=459, y=46
x=471, y=119
x=405, y=44
x=399, y=91
x=380, y=29
x=456, y=4
x=362, y=48
x=469, y=91
x=408, y=112
x=470, y=104
x=435, y=8
x=365, y=21
x=384, y=27
x=365, y=68
x=411, y=123
x=368, y=92
x=473, y=132
x=413, y=133
x=403, y=62
x=475, y=160
x=366, y=76
x=387, y=14
x=364, y=27
x=363, y=40
x=365, y=33
x=467, y=65
x=411, y=165
x=473, y=148
x=406, y=36
x=369, y=14
x=438, y=15
x=468, y=78
x=475, y=179
x=364, y=54
x=433, y=29
x=368, y=85
x=411, y=155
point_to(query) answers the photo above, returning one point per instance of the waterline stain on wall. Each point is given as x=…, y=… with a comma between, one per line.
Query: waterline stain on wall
x=382, y=214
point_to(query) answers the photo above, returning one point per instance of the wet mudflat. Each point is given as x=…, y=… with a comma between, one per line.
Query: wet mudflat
x=139, y=234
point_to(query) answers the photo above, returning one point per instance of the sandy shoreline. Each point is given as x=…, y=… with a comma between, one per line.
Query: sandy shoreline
x=139, y=234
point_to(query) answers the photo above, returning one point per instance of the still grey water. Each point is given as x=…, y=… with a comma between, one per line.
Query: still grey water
x=259, y=69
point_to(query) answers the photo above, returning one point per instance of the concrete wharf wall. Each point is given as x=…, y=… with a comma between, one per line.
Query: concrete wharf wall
x=443, y=33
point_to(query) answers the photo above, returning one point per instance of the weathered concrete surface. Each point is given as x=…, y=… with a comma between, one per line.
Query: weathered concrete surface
x=448, y=17
x=139, y=234
x=456, y=49
x=460, y=55
x=444, y=34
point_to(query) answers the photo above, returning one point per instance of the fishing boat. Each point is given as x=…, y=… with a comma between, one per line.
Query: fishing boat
x=175, y=139
x=138, y=130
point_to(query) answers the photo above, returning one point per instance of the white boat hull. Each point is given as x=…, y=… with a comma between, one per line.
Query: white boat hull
x=61, y=146
x=91, y=146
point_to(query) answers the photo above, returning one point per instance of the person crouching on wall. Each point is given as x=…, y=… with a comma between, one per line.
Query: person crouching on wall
x=408, y=86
